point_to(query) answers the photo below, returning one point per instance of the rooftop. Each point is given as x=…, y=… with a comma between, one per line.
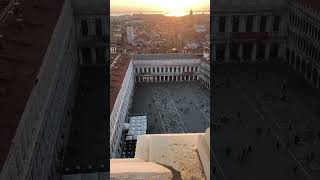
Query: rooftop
x=19, y=70
x=118, y=72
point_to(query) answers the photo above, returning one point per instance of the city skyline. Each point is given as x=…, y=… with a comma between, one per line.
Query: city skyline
x=175, y=8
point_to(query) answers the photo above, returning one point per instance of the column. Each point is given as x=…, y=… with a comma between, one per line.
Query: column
x=80, y=56
x=240, y=52
x=289, y=58
x=94, y=55
x=104, y=26
x=242, y=24
x=269, y=24
x=227, y=52
x=267, y=52
x=256, y=23
x=92, y=27
x=213, y=53
x=254, y=52
x=229, y=24
x=300, y=64
x=282, y=50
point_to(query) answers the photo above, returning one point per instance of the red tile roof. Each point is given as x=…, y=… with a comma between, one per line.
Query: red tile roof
x=117, y=75
x=20, y=62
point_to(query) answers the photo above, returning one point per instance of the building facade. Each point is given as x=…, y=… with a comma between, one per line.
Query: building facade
x=130, y=34
x=303, y=50
x=285, y=31
x=248, y=31
x=92, y=30
x=35, y=153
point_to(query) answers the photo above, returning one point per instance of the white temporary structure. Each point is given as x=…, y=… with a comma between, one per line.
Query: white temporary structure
x=138, y=126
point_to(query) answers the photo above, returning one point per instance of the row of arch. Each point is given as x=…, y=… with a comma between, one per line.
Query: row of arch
x=241, y=52
x=248, y=23
x=178, y=78
x=307, y=68
x=166, y=78
x=304, y=26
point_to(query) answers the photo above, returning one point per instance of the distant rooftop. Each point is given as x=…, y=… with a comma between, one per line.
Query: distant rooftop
x=162, y=56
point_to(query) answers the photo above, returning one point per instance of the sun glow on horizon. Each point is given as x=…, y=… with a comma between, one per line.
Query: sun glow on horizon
x=171, y=7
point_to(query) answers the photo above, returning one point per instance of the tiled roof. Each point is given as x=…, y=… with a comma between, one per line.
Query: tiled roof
x=20, y=61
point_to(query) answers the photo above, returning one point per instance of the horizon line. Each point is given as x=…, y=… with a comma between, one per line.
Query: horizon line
x=136, y=11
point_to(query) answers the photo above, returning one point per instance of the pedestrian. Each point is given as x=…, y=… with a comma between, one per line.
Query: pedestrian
x=278, y=145
x=250, y=149
x=295, y=169
x=296, y=139
x=228, y=151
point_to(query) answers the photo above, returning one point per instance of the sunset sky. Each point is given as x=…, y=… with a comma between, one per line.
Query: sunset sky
x=171, y=6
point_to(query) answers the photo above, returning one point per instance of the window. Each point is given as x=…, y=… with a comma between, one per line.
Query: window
x=86, y=56
x=170, y=69
x=140, y=70
x=149, y=70
x=191, y=69
x=166, y=69
x=188, y=69
x=249, y=24
x=100, y=55
x=84, y=28
x=235, y=24
x=136, y=70
x=179, y=69
x=153, y=70
x=196, y=69
x=157, y=69
x=276, y=24
x=98, y=27
x=183, y=69
x=161, y=69
x=263, y=24
x=174, y=69
x=145, y=70
x=222, y=23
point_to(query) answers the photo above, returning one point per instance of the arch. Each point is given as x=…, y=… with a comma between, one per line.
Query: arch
x=315, y=75
x=303, y=66
x=288, y=56
x=292, y=58
x=309, y=70
x=299, y=61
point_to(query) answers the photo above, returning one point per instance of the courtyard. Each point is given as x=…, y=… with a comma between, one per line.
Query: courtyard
x=266, y=123
x=173, y=107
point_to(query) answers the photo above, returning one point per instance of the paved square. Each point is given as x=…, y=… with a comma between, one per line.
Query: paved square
x=173, y=107
x=275, y=139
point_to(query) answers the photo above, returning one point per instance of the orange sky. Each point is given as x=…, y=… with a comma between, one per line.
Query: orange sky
x=171, y=6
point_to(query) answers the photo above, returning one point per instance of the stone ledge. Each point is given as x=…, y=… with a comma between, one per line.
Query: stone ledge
x=179, y=151
x=139, y=170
